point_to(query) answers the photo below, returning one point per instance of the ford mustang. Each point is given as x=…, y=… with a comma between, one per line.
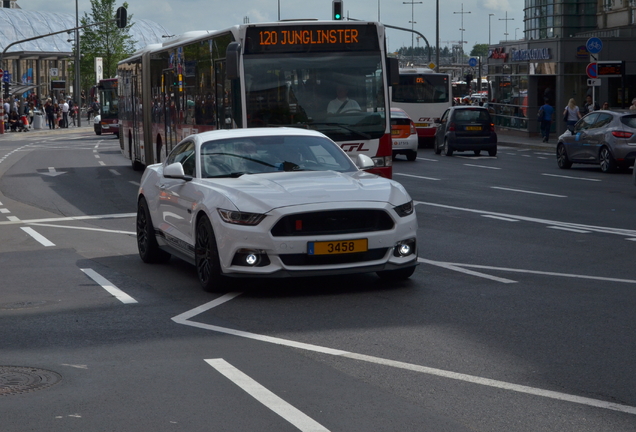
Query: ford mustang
x=273, y=202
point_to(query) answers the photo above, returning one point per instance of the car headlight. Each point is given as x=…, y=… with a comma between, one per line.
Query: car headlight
x=404, y=209
x=240, y=218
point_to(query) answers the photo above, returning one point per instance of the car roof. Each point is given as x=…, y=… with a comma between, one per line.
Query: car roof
x=252, y=132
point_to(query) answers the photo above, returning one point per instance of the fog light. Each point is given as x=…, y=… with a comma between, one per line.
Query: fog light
x=251, y=259
x=404, y=248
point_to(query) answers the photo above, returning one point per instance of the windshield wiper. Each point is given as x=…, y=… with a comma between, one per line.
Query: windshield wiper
x=360, y=133
x=228, y=175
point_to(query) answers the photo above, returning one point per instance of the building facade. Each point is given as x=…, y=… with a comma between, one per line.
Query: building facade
x=551, y=61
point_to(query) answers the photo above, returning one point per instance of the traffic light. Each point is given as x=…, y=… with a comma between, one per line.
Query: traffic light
x=337, y=10
x=122, y=17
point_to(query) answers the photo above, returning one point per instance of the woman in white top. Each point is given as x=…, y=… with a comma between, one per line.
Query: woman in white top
x=572, y=112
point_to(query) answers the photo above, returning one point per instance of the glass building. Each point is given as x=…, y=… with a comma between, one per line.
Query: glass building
x=551, y=60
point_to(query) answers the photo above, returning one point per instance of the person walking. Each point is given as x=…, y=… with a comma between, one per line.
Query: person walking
x=571, y=114
x=545, y=117
x=50, y=114
x=65, y=109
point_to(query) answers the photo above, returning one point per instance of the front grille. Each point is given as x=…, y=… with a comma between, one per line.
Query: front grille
x=317, y=260
x=332, y=222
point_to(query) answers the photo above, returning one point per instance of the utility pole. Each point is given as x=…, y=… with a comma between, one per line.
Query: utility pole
x=461, y=47
x=506, y=19
x=489, y=16
x=412, y=3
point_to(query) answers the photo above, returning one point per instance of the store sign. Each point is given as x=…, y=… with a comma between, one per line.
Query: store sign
x=582, y=52
x=498, y=53
x=531, y=54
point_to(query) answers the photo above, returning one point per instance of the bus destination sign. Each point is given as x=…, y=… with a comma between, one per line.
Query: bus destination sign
x=287, y=39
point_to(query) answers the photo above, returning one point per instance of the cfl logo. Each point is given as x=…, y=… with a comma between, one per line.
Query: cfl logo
x=354, y=147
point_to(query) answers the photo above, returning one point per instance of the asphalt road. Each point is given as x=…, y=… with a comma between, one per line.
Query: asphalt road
x=518, y=318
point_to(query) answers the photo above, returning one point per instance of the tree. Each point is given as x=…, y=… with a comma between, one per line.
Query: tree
x=479, y=50
x=103, y=40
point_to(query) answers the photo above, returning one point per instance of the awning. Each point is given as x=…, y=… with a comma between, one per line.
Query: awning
x=22, y=88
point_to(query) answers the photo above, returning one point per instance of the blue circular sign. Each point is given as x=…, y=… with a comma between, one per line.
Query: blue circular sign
x=594, y=45
x=472, y=62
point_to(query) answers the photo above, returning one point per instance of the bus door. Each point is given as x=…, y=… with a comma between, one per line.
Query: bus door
x=170, y=103
x=223, y=97
x=135, y=99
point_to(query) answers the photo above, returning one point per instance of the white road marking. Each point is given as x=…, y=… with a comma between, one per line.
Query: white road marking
x=456, y=268
x=135, y=183
x=4, y=210
x=604, y=230
x=37, y=236
x=112, y=289
x=114, y=172
x=420, y=177
x=184, y=319
x=482, y=166
x=631, y=239
x=69, y=218
x=266, y=397
x=86, y=228
x=570, y=177
x=543, y=153
x=528, y=192
x=97, y=156
x=102, y=163
x=526, y=156
x=569, y=229
x=428, y=160
x=541, y=157
x=53, y=173
x=12, y=219
x=500, y=218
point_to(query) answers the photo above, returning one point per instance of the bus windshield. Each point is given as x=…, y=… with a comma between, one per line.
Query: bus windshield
x=109, y=100
x=423, y=88
x=338, y=94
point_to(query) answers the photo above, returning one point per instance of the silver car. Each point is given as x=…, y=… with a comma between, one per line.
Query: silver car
x=606, y=138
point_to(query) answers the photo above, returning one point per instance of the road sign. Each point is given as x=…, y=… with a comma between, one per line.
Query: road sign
x=6, y=76
x=594, y=82
x=591, y=70
x=432, y=65
x=472, y=62
x=610, y=69
x=594, y=45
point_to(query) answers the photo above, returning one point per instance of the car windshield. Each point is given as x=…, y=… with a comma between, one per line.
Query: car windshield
x=234, y=157
x=472, y=115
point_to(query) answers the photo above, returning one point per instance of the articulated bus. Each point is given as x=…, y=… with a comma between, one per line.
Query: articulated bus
x=107, y=95
x=256, y=75
x=424, y=95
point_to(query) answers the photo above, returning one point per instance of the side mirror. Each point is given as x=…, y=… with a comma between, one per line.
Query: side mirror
x=364, y=162
x=232, y=56
x=175, y=171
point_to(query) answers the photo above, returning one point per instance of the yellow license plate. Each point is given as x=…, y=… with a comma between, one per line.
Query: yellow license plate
x=422, y=124
x=395, y=131
x=337, y=247
x=475, y=128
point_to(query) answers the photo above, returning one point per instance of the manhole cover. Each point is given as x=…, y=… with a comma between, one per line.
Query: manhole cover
x=16, y=380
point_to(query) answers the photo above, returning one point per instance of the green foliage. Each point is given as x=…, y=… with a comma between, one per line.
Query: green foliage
x=103, y=40
x=479, y=50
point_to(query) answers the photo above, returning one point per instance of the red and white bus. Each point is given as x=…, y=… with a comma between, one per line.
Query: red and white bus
x=424, y=95
x=106, y=93
x=254, y=75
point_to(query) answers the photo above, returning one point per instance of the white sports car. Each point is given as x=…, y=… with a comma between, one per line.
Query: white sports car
x=273, y=202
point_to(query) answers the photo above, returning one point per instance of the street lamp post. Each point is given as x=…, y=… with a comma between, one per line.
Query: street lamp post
x=489, y=16
x=412, y=3
x=77, y=96
x=506, y=19
x=461, y=42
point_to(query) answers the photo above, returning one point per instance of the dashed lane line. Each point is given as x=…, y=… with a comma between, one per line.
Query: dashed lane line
x=108, y=286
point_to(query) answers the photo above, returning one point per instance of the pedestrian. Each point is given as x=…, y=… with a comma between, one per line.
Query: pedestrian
x=589, y=105
x=571, y=114
x=605, y=106
x=545, y=117
x=633, y=106
x=65, y=109
x=50, y=114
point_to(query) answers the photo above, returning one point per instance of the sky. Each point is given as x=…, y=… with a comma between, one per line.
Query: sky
x=180, y=16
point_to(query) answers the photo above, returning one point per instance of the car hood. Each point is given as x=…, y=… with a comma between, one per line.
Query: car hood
x=260, y=193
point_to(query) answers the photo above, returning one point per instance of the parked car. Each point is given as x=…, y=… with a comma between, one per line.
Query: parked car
x=404, y=134
x=604, y=138
x=466, y=128
x=273, y=202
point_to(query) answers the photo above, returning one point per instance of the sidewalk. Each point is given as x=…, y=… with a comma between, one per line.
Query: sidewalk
x=513, y=139
x=86, y=126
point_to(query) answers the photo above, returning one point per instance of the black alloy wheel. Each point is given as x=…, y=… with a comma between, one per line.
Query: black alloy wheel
x=206, y=256
x=562, y=157
x=149, y=250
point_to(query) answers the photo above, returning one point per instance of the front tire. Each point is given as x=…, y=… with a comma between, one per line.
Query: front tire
x=411, y=156
x=562, y=157
x=206, y=256
x=492, y=152
x=396, y=275
x=436, y=148
x=149, y=250
x=608, y=164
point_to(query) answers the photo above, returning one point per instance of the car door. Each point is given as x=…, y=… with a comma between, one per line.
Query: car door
x=578, y=142
x=177, y=197
x=596, y=136
x=440, y=133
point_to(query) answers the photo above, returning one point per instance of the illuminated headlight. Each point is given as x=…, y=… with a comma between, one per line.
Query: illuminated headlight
x=240, y=218
x=383, y=161
x=404, y=209
x=251, y=258
x=404, y=248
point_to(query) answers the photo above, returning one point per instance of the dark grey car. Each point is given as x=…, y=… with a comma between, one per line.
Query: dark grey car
x=604, y=138
x=466, y=128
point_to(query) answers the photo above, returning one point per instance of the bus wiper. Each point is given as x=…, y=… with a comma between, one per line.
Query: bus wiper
x=362, y=134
